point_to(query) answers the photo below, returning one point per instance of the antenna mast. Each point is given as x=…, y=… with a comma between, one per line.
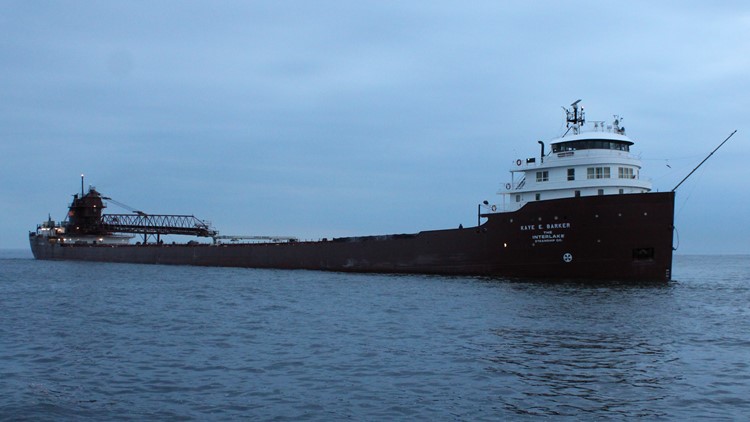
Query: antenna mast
x=575, y=118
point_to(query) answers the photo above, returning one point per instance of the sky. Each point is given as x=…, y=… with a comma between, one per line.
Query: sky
x=333, y=118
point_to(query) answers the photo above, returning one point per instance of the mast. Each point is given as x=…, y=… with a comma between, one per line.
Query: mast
x=704, y=160
x=575, y=118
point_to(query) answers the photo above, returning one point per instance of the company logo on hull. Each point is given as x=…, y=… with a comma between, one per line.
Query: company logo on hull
x=547, y=233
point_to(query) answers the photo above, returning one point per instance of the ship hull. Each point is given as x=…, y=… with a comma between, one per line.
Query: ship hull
x=609, y=237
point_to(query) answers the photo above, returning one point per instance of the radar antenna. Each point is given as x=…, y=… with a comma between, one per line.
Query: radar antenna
x=575, y=117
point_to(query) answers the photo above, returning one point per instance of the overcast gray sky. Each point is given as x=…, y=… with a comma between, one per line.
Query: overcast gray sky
x=331, y=118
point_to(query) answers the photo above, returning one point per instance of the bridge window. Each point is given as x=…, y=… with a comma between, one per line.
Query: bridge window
x=591, y=144
x=542, y=176
x=597, y=173
x=625, y=173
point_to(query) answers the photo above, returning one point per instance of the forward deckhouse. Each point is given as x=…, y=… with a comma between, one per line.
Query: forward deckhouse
x=598, y=162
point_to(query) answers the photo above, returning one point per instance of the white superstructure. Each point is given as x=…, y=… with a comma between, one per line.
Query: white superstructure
x=598, y=162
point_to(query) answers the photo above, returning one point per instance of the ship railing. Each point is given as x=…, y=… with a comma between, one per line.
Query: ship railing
x=255, y=239
x=512, y=186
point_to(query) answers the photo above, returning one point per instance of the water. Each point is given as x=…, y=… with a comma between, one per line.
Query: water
x=91, y=341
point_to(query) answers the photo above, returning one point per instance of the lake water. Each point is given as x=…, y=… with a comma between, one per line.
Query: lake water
x=96, y=341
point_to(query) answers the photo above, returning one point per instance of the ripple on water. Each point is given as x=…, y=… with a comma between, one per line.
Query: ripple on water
x=105, y=341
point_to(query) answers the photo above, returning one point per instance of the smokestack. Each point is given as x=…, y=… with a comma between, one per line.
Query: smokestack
x=542, y=144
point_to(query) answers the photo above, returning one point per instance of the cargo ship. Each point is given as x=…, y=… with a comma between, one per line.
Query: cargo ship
x=579, y=211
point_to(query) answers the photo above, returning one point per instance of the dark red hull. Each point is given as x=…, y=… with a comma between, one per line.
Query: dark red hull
x=610, y=237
